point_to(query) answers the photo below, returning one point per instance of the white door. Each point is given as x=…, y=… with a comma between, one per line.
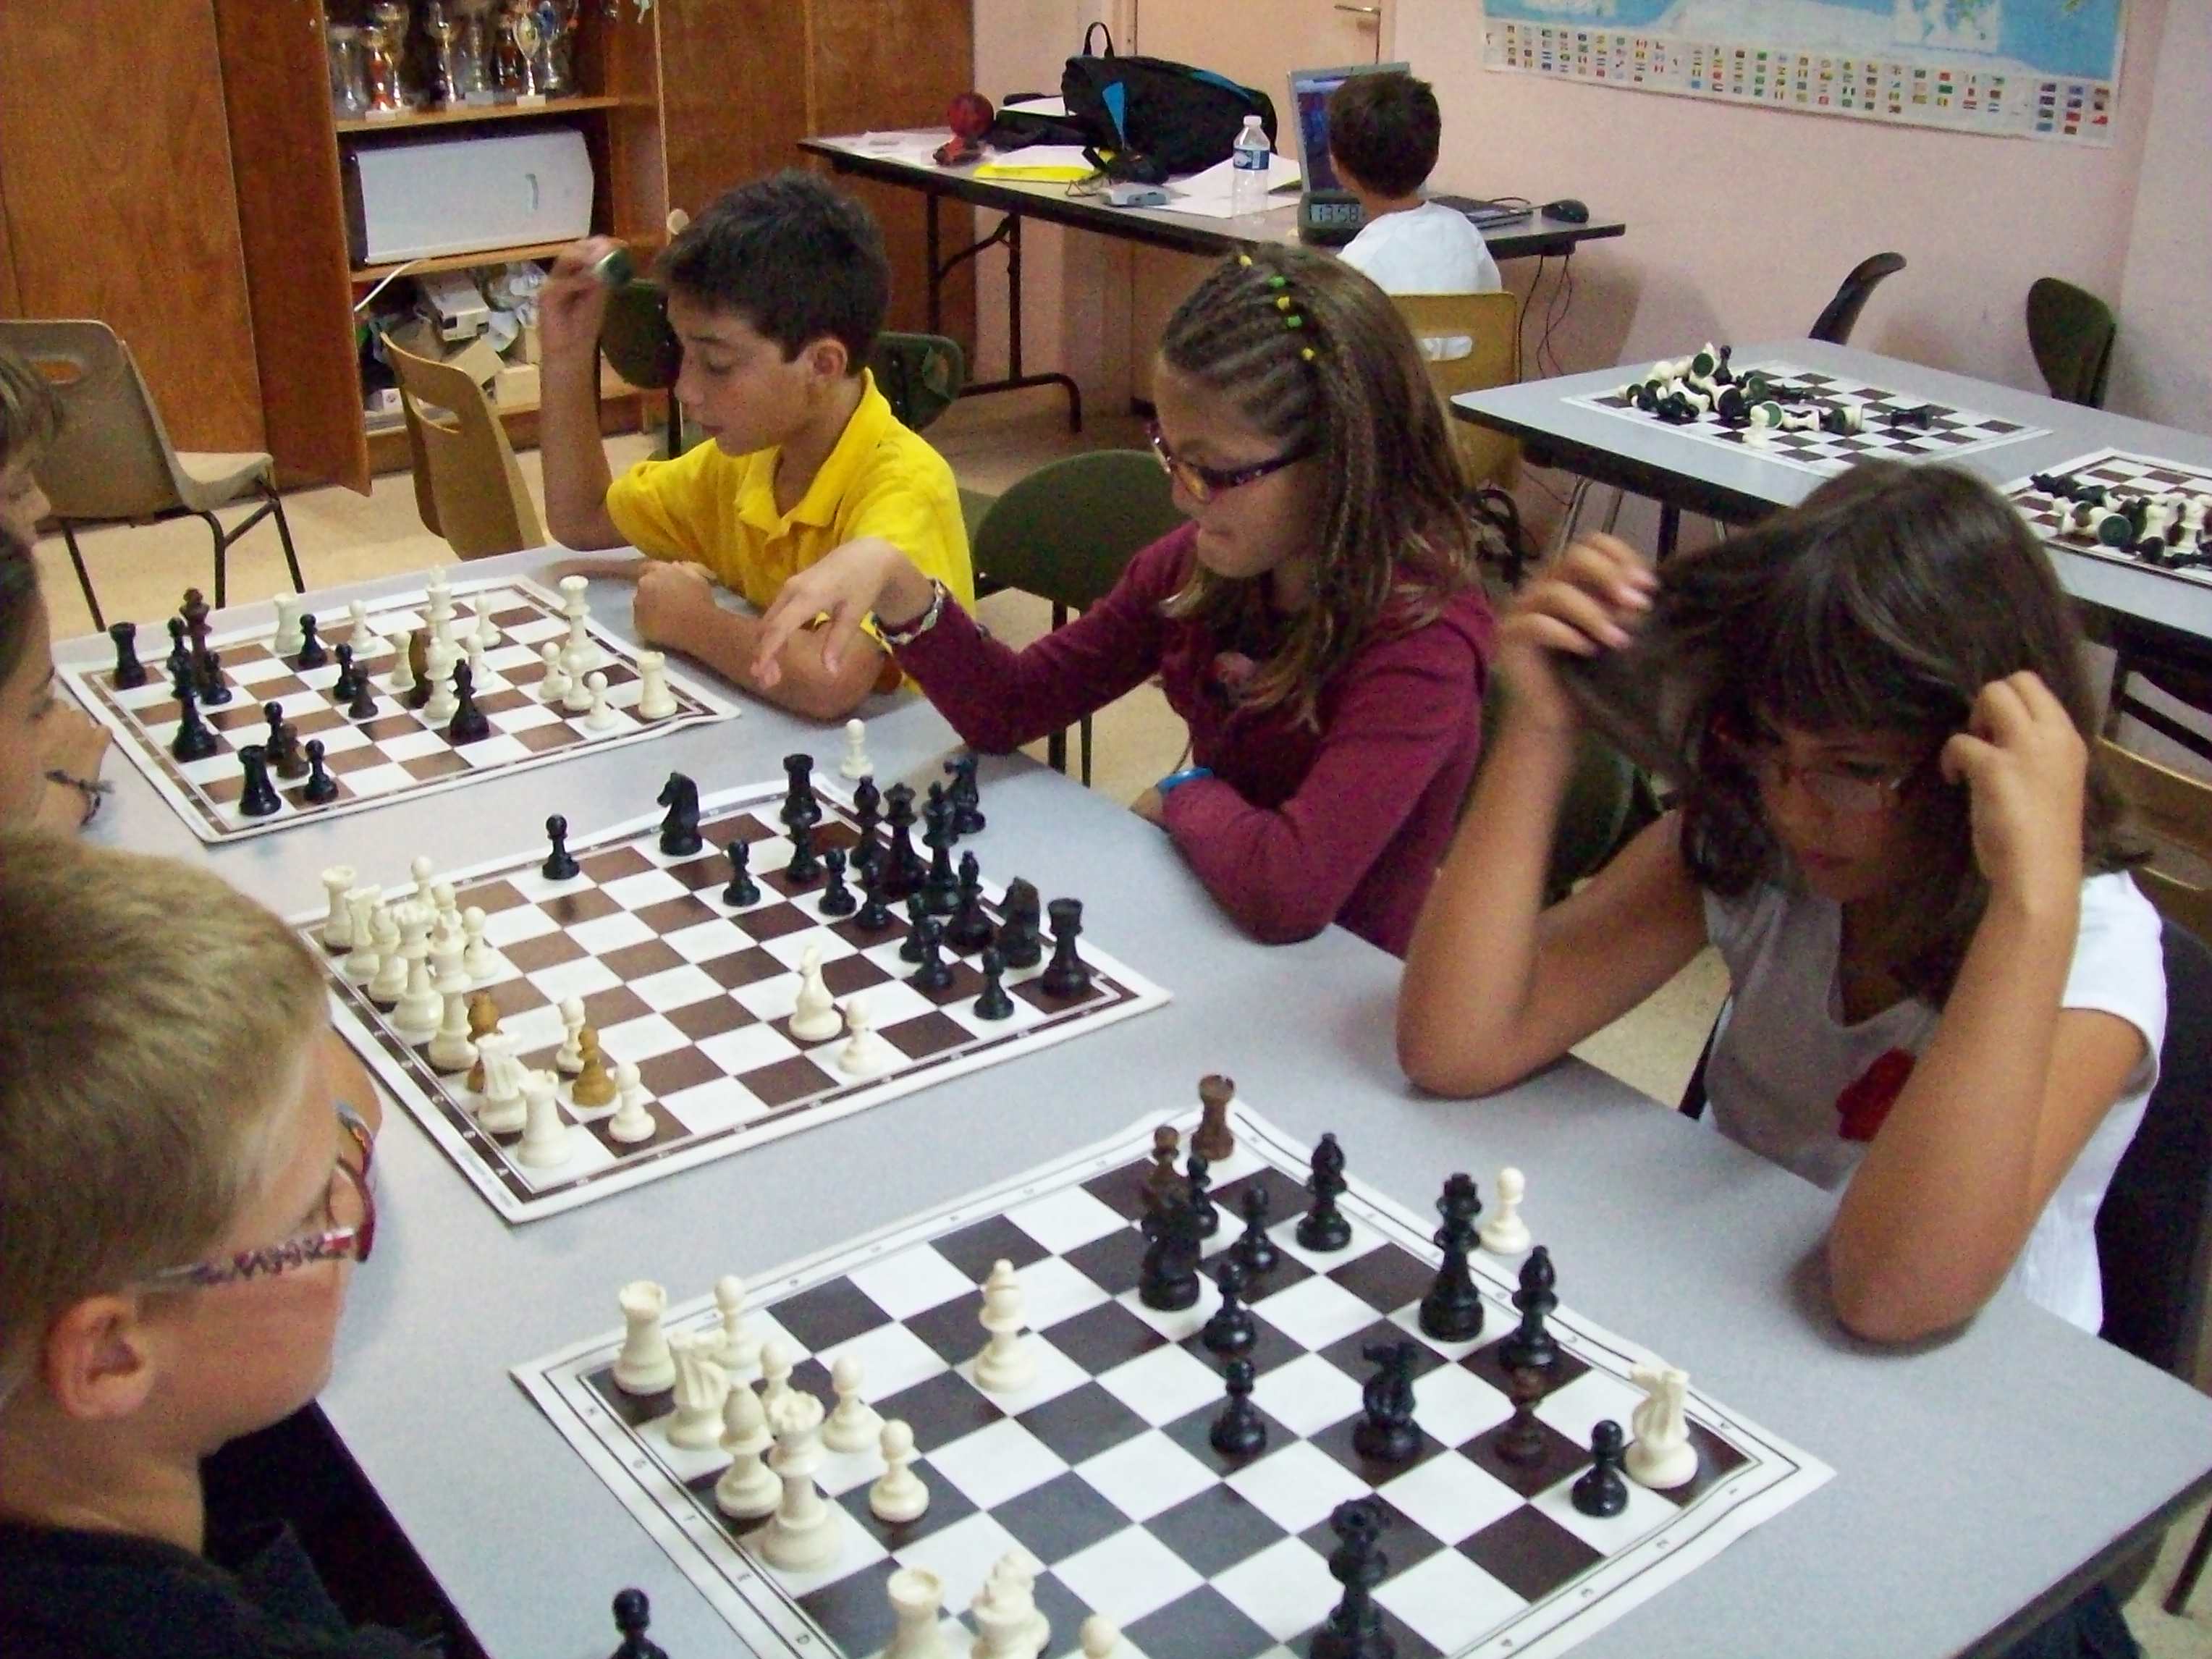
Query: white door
x=1260, y=42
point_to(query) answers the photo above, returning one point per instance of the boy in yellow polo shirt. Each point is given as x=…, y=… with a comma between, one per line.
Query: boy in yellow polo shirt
x=776, y=292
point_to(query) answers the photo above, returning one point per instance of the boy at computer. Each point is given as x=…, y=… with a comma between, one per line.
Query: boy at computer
x=776, y=292
x=1383, y=132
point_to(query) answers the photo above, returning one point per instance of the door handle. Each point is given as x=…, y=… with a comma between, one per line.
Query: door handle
x=1362, y=11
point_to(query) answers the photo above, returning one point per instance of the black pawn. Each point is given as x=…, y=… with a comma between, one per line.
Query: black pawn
x=873, y=915
x=321, y=785
x=910, y=946
x=129, y=672
x=1168, y=1279
x=967, y=799
x=1239, y=1431
x=1354, y=1626
x=311, y=653
x=260, y=798
x=1254, y=1248
x=1323, y=1227
x=349, y=679
x=207, y=677
x=1387, y=1433
x=363, y=706
x=800, y=804
x=991, y=1002
x=1067, y=974
x=1230, y=1331
x=837, y=898
x=281, y=748
x=1531, y=1345
x=179, y=661
x=867, y=812
x=1452, y=1310
x=971, y=929
x=743, y=889
x=1018, y=940
x=941, y=886
x=932, y=972
x=679, y=825
x=805, y=864
x=193, y=740
x=1600, y=1491
x=558, y=865
x=470, y=724
x=633, y=1617
x=1198, y=1175
x=1522, y=1442
x=906, y=868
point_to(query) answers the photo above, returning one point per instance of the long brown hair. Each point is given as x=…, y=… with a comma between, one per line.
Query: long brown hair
x=1345, y=379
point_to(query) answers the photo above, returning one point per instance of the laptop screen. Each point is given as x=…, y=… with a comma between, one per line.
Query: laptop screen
x=1310, y=91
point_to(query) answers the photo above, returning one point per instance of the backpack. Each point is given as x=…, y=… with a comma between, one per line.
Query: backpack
x=1157, y=118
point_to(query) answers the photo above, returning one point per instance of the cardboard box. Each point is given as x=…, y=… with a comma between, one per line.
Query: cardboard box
x=513, y=386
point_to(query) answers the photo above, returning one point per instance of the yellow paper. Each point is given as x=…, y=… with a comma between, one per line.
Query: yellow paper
x=1048, y=173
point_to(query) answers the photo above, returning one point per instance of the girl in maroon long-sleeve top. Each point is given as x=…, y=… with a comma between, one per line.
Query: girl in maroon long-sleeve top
x=1317, y=623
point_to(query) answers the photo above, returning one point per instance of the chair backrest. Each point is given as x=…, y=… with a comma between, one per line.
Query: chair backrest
x=2174, y=813
x=2071, y=332
x=2152, y=1229
x=114, y=458
x=1065, y=530
x=919, y=375
x=1835, y=323
x=635, y=336
x=482, y=504
x=1491, y=323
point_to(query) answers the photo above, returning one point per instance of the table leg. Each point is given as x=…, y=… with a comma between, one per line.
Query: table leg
x=1670, y=529
x=936, y=271
x=1008, y=235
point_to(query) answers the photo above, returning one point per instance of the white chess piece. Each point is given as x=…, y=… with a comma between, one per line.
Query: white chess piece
x=451, y=1049
x=803, y=1534
x=1505, y=1233
x=814, y=1016
x=579, y=695
x=365, y=638
x=701, y=1386
x=1662, y=1456
x=420, y=1008
x=479, y=960
x=631, y=1122
x=1006, y=1612
x=449, y=910
x=473, y=649
x=1016, y=1573
x=504, y=1109
x=899, y=1495
x=856, y=764
x=487, y=631
x=917, y=1598
x=547, y=1138
x=854, y=1425
x=737, y=1349
x=439, y=659
x=361, y=965
x=338, y=931
x=864, y=1054
x=602, y=717
x=1100, y=1635
x=748, y=1489
x=402, y=677
x=439, y=595
x=645, y=1364
x=569, y=1059
x=576, y=606
x=1005, y=1364
x=775, y=1363
x=555, y=686
x=288, y=638
x=655, y=702
x=390, y=980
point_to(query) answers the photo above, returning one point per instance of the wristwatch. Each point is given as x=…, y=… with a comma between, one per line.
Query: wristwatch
x=896, y=637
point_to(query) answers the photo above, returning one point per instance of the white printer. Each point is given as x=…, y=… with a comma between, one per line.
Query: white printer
x=418, y=199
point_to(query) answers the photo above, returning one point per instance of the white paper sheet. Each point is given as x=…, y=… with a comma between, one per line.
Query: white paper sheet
x=1208, y=193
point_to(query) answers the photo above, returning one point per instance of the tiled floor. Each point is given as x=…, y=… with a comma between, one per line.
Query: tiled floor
x=344, y=537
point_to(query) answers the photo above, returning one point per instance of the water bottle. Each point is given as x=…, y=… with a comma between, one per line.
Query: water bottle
x=1247, y=183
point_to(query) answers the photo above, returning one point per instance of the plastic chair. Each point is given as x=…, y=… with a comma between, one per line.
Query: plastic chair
x=1835, y=323
x=2071, y=332
x=2166, y=660
x=1490, y=322
x=1065, y=532
x=634, y=337
x=467, y=486
x=1605, y=802
x=919, y=375
x=114, y=462
x=2174, y=813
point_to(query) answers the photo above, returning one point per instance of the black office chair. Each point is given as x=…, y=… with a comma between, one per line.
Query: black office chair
x=2071, y=332
x=1835, y=323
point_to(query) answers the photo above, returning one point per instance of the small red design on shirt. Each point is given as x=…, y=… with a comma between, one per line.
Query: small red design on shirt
x=1866, y=1101
x=1232, y=670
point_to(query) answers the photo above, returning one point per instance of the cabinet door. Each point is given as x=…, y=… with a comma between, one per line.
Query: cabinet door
x=733, y=93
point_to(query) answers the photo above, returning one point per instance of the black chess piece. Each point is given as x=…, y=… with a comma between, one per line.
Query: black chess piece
x=906, y=868
x=260, y=798
x=970, y=929
x=350, y=677
x=470, y=724
x=679, y=826
x=1531, y=1344
x=1452, y=1310
x=874, y=915
x=281, y=747
x=129, y=672
x=991, y=1002
x=208, y=680
x=837, y=898
x=1323, y=1227
x=1019, y=939
x=1239, y=1431
x=910, y=946
x=1167, y=1280
x=805, y=864
x=1253, y=1247
x=743, y=889
x=932, y=972
x=800, y=804
x=867, y=813
x=321, y=785
x=1163, y=1176
x=1230, y=1331
x=1521, y=1442
x=1600, y=1491
x=1387, y=1434
x=938, y=798
x=363, y=706
x=1354, y=1629
x=1198, y=1175
x=311, y=653
x=559, y=865
x=966, y=799
x=418, y=664
x=193, y=609
x=1066, y=975
x=941, y=886
x=193, y=740
x=179, y=659
x=633, y=1618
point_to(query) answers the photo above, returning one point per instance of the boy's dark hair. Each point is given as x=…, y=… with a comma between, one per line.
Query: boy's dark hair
x=1383, y=129
x=1885, y=603
x=19, y=599
x=30, y=410
x=798, y=260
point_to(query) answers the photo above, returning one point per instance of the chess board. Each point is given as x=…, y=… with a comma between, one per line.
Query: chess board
x=2116, y=469
x=398, y=752
x=1950, y=433
x=1103, y=1470
x=698, y=994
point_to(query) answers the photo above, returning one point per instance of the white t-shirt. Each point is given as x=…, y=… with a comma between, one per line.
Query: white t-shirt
x=1785, y=1056
x=1430, y=249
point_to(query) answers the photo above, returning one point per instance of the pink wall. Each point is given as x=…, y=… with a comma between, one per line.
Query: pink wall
x=2162, y=365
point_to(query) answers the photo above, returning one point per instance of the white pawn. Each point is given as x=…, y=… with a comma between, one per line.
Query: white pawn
x=748, y=1489
x=814, y=1016
x=645, y=1364
x=855, y=1425
x=504, y=1109
x=546, y=1140
x=487, y=632
x=451, y=1049
x=572, y=664
x=655, y=702
x=402, y=677
x=569, y=1058
x=338, y=931
x=701, y=1386
x=803, y=1534
x=1505, y=1233
x=473, y=649
x=365, y=639
x=864, y=1054
x=287, y=638
x=631, y=1122
x=856, y=764
x=775, y=1363
x=361, y=965
x=917, y=1597
x=439, y=660
x=1100, y=1635
x=1662, y=1456
x=602, y=717
x=420, y=1008
x=448, y=908
x=555, y=686
x=479, y=960
x=737, y=1349
x=390, y=979
x=1005, y=1364
x=899, y=1495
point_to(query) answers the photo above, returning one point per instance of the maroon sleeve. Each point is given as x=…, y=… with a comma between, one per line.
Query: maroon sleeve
x=1286, y=874
x=997, y=697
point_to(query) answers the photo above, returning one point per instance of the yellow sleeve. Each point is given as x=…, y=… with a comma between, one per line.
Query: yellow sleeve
x=669, y=509
x=913, y=504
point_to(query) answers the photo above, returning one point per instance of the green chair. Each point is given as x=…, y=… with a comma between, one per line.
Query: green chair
x=1607, y=800
x=919, y=375
x=1065, y=532
x=2071, y=332
x=636, y=339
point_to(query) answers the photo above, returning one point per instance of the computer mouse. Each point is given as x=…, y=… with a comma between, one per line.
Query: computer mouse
x=1568, y=209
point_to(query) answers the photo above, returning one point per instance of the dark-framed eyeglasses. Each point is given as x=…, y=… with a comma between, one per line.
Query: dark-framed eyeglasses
x=1850, y=793
x=1203, y=483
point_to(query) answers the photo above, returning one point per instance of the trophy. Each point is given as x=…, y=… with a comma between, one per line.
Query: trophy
x=348, y=87
x=520, y=38
x=477, y=57
x=438, y=23
x=384, y=38
x=556, y=29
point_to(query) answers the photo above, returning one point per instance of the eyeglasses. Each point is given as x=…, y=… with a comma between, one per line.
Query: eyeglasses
x=1853, y=793
x=1203, y=483
x=349, y=1204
